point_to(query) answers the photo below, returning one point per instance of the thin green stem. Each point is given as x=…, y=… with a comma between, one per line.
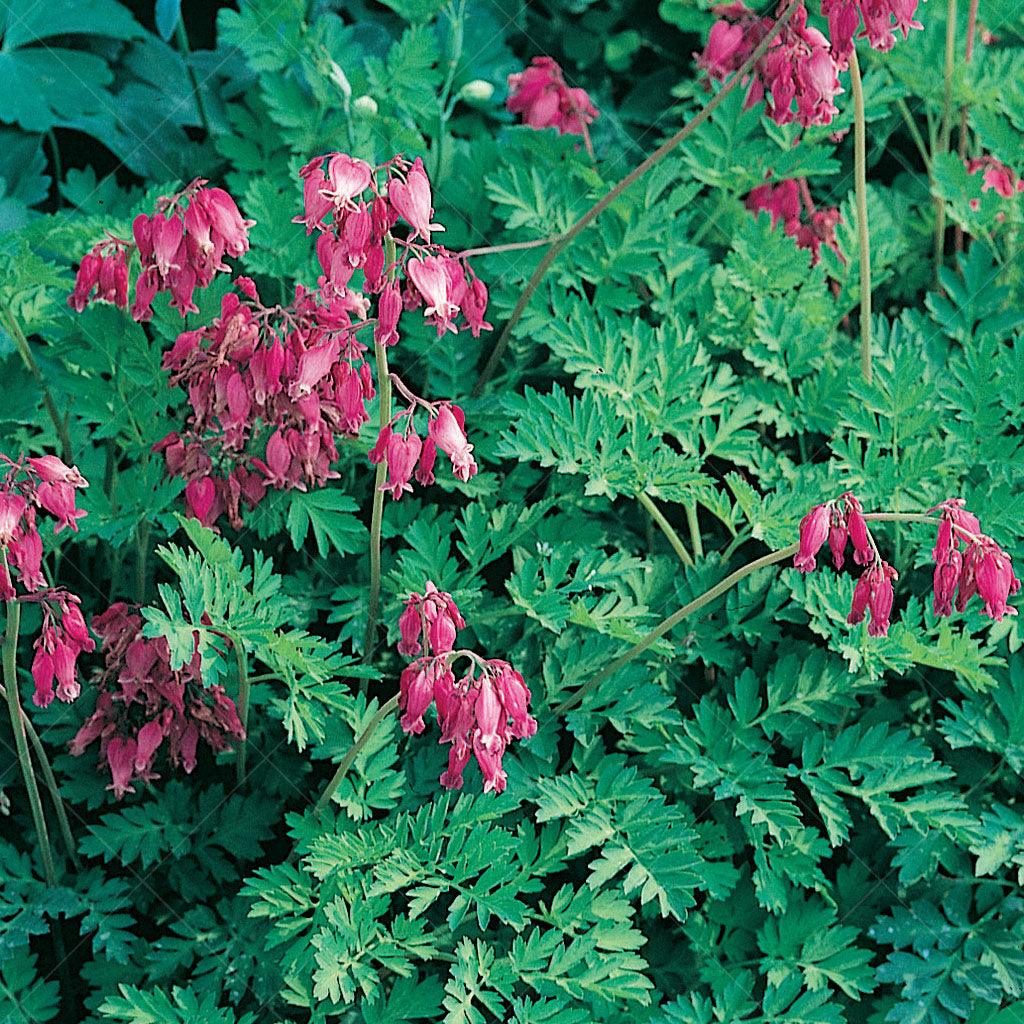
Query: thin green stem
x=915, y=132
x=51, y=784
x=486, y=250
x=668, y=624
x=946, y=126
x=243, y=709
x=972, y=28
x=694, y=524
x=353, y=752
x=10, y=669
x=141, y=561
x=565, y=239
x=10, y=322
x=861, y=193
x=373, y=600
x=186, y=52
x=666, y=528
x=58, y=167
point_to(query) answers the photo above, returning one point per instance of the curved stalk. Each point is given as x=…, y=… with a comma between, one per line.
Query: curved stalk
x=10, y=670
x=186, y=52
x=861, y=195
x=565, y=239
x=666, y=528
x=353, y=752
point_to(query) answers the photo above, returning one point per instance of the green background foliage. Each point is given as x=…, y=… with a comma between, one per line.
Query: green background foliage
x=767, y=817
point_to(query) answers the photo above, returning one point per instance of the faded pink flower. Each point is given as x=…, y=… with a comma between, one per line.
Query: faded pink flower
x=541, y=95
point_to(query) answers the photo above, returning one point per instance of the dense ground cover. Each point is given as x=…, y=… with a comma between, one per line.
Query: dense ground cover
x=508, y=512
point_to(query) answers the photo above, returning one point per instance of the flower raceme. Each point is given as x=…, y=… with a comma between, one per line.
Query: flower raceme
x=539, y=93
x=480, y=713
x=180, y=246
x=29, y=486
x=801, y=65
x=797, y=66
x=144, y=707
x=785, y=202
x=271, y=388
x=981, y=567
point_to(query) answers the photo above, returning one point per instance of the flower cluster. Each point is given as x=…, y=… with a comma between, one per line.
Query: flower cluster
x=982, y=568
x=45, y=484
x=540, y=94
x=995, y=175
x=356, y=215
x=181, y=246
x=280, y=382
x=786, y=202
x=796, y=68
x=880, y=18
x=800, y=65
x=407, y=455
x=143, y=705
x=480, y=713
x=272, y=387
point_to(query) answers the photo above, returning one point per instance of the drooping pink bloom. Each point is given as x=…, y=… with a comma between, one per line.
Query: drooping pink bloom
x=541, y=95
x=403, y=452
x=346, y=178
x=814, y=529
x=996, y=176
x=810, y=227
x=446, y=430
x=137, y=685
x=995, y=580
x=431, y=281
x=389, y=309
x=412, y=200
x=880, y=18
x=874, y=593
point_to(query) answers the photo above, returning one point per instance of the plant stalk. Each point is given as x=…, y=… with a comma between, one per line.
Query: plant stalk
x=861, y=194
x=565, y=239
x=666, y=528
x=373, y=601
x=694, y=524
x=10, y=670
x=972, y=28
x=353, y=752
x=942, y=144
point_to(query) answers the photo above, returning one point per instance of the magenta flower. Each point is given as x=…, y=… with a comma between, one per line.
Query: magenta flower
x=541, y=95
x=144, y=709
x=814, y=531
x=874, y=593
x=446, y=430
x=411, y=200
x=432, y=282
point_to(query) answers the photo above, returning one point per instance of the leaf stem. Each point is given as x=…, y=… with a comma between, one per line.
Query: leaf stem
x=10, y=671
x=353, y=752
x=243, y=710
x=861, y=194
x=666, y=528
x=694, y=524
x=565, y=239
x=486, y=250
x=10, y=322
